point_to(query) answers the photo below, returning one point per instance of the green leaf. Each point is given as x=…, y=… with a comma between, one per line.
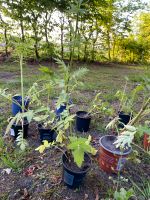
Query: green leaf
x=78, y=155
x=12, y=121
x=79, y=146
x=46, y=70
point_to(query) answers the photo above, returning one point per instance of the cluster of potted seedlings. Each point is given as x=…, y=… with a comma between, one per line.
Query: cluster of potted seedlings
x=55, y=125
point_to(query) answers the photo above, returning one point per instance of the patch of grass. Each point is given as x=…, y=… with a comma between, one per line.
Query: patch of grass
x=4, y=196
x=11, y=157
x=139, y=77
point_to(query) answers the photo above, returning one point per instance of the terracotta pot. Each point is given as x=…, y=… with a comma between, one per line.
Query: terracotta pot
x=111, y=159
x=146, y=142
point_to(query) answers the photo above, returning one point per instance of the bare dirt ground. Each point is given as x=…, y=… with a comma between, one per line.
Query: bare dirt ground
x=40, y=177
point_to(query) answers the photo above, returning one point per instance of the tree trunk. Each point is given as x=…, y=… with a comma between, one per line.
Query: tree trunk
x=36, y=50
x=22, y=31
x=62, y=38
x=114, y=46
x=78, y=53
x=70, y=39
x=36, y=45
x=46, y=35
x=6, y=41
x=45, y=27
x=74, y=39
x=93, y=52
x=85, y=52
x=108, y=43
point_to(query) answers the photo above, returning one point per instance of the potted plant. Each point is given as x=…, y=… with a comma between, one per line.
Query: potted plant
x=83, y=118
x=76, y=161
x=114, y=150
x=75, y=158
x=66, y=81
x=46, y=125
x=127, y=103
x=146, y=140
x=18, y=124
x=17, y=104
x=145, y=132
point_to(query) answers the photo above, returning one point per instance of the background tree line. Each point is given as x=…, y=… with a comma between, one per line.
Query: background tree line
x=95, y=30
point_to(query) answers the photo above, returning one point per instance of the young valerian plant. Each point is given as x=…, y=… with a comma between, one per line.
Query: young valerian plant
x=126, y=134
x=65, y=81
x=26, y=115
x=75, y=147
x=128, y=100
x=123, y=194
x=98, y=106
x=20, y=50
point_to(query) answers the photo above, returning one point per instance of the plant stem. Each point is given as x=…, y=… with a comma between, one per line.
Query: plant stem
x=136, y=118
x=21, y=71
x=22, y=92
x=140, y=148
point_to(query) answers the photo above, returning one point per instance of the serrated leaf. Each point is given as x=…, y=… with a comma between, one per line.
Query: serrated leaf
x=41, y=148
x=12, y=121
x=78, y=156
x=59, y=137
x=130, y=128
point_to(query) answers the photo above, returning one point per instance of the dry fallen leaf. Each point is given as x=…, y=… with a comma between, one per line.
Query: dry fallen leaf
x=25, y=194
x=7, y=171
x=97, y=194
x=86, y=196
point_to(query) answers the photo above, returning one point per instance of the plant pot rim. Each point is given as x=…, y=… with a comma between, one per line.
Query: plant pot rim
x=117, y=150
x=24, y=124
x=145, y=133
x=20, y=96
x=81, y=172
x=84, y=112
x=124, y=113
x=40, y=126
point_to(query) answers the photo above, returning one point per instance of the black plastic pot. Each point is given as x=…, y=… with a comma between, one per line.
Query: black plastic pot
x=124, y=118
x=73, y=179
x=46, y=134
x=82, y=121
x=16, y=128
x=16, y=107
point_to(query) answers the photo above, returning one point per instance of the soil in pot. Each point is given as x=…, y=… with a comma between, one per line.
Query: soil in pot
x=17, y=127
x=124, y=118
x=111, y=159
x=82, y=121
x=46, y=133
x=15, y=107
x=146, y=141
x=72, y=174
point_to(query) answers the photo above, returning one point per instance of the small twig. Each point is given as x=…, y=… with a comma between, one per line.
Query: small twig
x=140, y=148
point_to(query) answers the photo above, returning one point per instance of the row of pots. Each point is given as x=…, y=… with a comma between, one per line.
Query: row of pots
x=110, y=159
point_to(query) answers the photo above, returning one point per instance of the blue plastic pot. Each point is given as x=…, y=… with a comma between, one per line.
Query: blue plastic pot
x=61, y=109
x=16, y=107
